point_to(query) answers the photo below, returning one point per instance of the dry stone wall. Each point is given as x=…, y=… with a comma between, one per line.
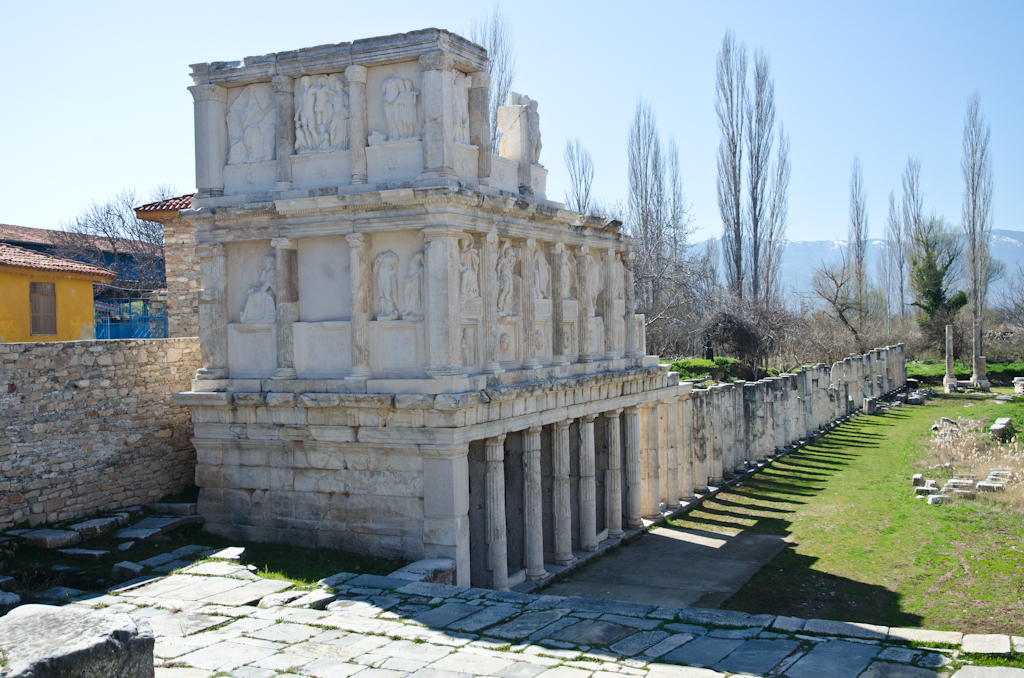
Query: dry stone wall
x=91, y=425
x=182, y=267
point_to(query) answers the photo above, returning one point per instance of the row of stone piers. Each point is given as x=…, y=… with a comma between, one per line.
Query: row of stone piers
x=545, y=497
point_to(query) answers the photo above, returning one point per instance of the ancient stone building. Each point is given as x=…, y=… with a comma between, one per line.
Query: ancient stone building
x=408, y=350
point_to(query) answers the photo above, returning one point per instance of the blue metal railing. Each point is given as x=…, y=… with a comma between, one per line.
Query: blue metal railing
x=130, y=319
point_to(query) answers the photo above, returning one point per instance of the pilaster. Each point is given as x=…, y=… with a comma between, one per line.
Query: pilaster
x=561, y=508
x=210, y=106
x=608, y=311
x=438, y=116
x=443, y=302
x=480, y=120
x=361, y=290
x=287, y=305
x=489, y=298
x=527, y=273
x=213, y=314
x=583, y=304
x=356, y=77
x=284, y=143
x=559, y=290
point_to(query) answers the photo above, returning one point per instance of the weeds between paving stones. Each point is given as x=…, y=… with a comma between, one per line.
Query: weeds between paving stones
x=861, y=548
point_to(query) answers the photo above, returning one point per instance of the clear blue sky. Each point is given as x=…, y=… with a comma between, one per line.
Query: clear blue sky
x=95, y=97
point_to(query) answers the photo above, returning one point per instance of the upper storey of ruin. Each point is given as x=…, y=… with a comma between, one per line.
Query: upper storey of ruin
x=401, y=111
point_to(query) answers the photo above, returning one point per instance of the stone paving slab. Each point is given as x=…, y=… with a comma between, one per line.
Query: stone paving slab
x=987, y=643
x=757, y=656
x=703, y=651
x=880, y=669
x=834, y=658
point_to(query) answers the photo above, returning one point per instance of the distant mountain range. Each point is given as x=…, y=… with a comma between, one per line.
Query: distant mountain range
x=802, y=257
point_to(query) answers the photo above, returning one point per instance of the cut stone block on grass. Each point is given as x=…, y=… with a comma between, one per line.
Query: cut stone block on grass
x=43, y=641
x=51, y=539
x=177, y=509
x=125, y=570
x=986, y=643
x=139, y=534
x=83, y=554
x=97, y=527
x=58, y=593
x=336, y=579
x=232, y=553
x=9, y=599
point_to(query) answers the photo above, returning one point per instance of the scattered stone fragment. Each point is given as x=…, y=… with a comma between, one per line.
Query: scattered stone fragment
x=989, y=486
x=124, y=546
x=925, y=491
x=58, y=593
x=125, y=570
x=233, y=553
x=938, y=499
x=434, y=571
x=9, y=599
x=139, y=534
x=917, y=480
x=97, y=527
x=51, y=539
x=45, y=642
x=316, y=600
x=66, y=569
x=336, y=579
x=159, y=559
x=986, y=643
x=189, y=550
x=179, y=509
x=83, y=554
x=278, y=599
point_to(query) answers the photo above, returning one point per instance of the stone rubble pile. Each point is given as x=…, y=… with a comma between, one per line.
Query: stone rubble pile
x=960, y=486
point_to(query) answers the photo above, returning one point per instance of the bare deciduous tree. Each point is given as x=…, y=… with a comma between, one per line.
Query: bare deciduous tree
x=730, y=105
x=835, y=285
x=109, y=235
x=912, y=209
x=494, y=33
x=976, y=168
x=1011, y=303
x=888, y=270
x=778, y=219
x=760, y=133
x=581, y=176
x=857, y=238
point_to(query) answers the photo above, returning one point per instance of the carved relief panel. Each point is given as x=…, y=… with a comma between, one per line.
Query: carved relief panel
x=321, y=113
x=252, y=124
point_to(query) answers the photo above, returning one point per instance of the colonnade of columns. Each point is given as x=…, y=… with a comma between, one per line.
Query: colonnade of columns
x=656, y=456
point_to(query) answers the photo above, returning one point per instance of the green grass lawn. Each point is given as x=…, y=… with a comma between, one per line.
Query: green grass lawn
x=932, y=371
x=861, y=548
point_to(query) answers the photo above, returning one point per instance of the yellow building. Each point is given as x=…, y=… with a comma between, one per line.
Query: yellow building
x=46, y=298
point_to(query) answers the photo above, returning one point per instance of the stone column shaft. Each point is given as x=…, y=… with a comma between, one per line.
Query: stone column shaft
x=284, y=146
x=700, y=450
x=684, y=443
x=438, y=117
x=527, y=273
x=356, y=77
x=583, y=305
x=533, y=505
x=287, y=310
x=489, y=298
x=559, y=289
x=361, y=288
x=651, y=452
x=588, y=486
x=716, y=400
x=613, y=476
x=561, y=508
x=632, y=350
x=668, y=431
x=611, y=268
x=213, y=312
x=634, y=503
x=497, y=536
x=480, y=120
x=210, y=110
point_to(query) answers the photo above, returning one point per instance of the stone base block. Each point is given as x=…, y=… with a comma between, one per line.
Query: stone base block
x=43, y=641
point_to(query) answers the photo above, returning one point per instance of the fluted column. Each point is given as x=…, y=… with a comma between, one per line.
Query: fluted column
x=287, y=310
x=668, y=431
x=284, y=146
x=527, y=273
x=533, y=505
x=684, y=443
x=583, y=305
x=356, y=77
x=210, y=108
x=480, y=120
x=489, y=298
x=438, y=135
x=442, y=302
x=651, y=453
x=561, y=508
x=613, y=476
x=716, y=400
x=213, y=312
x=700, y=448
x=761, y=450
x=361, y=290
x=634, y=501
x=559, y=290
x=611, y=268
x=632, y=350
x=588, y=486
x=749, y=417
x=494, y=496
x=732, y=452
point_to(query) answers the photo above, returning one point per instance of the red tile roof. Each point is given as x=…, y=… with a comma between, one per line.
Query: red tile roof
x=182, y=202
x=41, y=236
x=18, y=257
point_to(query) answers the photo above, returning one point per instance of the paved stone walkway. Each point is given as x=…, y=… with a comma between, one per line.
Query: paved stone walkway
x=219, y=617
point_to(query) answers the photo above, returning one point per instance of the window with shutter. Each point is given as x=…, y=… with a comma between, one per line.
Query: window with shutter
x=43, y=307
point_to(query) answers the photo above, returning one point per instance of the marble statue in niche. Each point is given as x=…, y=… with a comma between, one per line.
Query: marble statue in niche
x=504, y=342
x=619, y=279
x=593, y=284
x=542, y=275
x=469, y=268
x=400, y=108
x=414, y=288
x=467, y=347
x=460, y=106
x=386, y=268
x=515, y=99
x=568, y=275
x=321, y=113
x=252, y=124
x=506, y=280
x=261, y=304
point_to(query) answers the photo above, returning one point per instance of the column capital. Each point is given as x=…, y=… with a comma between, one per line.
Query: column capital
x=535, y=429
x=282, y=243
x=440, y=232
x=480, y=80
x=283, y=83
x=438, y=60
x=632, y=409
x=355, y=73
x=564, y=424
x=456, y=451
x=609, y=254
x=209, y=92
x=589, y=418
x=494, y=448
x=208, y=250
x=491, y=237
x=611, y=414
x=583, y=249
x=559, y=247
x=355, y=239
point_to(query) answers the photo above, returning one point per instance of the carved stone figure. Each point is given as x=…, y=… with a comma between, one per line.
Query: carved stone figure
x=261, y=304
x=506, y=280
x=593, y=284
x=568, y=275
x=252, y=124
x=414, y=288
x=542, y=275
x=400, y=108
x=619, y=279
x=469, y=267
x=535, y=144
x=538, y=342
x=386, y=268
x=467, y=347
x=321, y=113
x=460, y=106
x=504, y=342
